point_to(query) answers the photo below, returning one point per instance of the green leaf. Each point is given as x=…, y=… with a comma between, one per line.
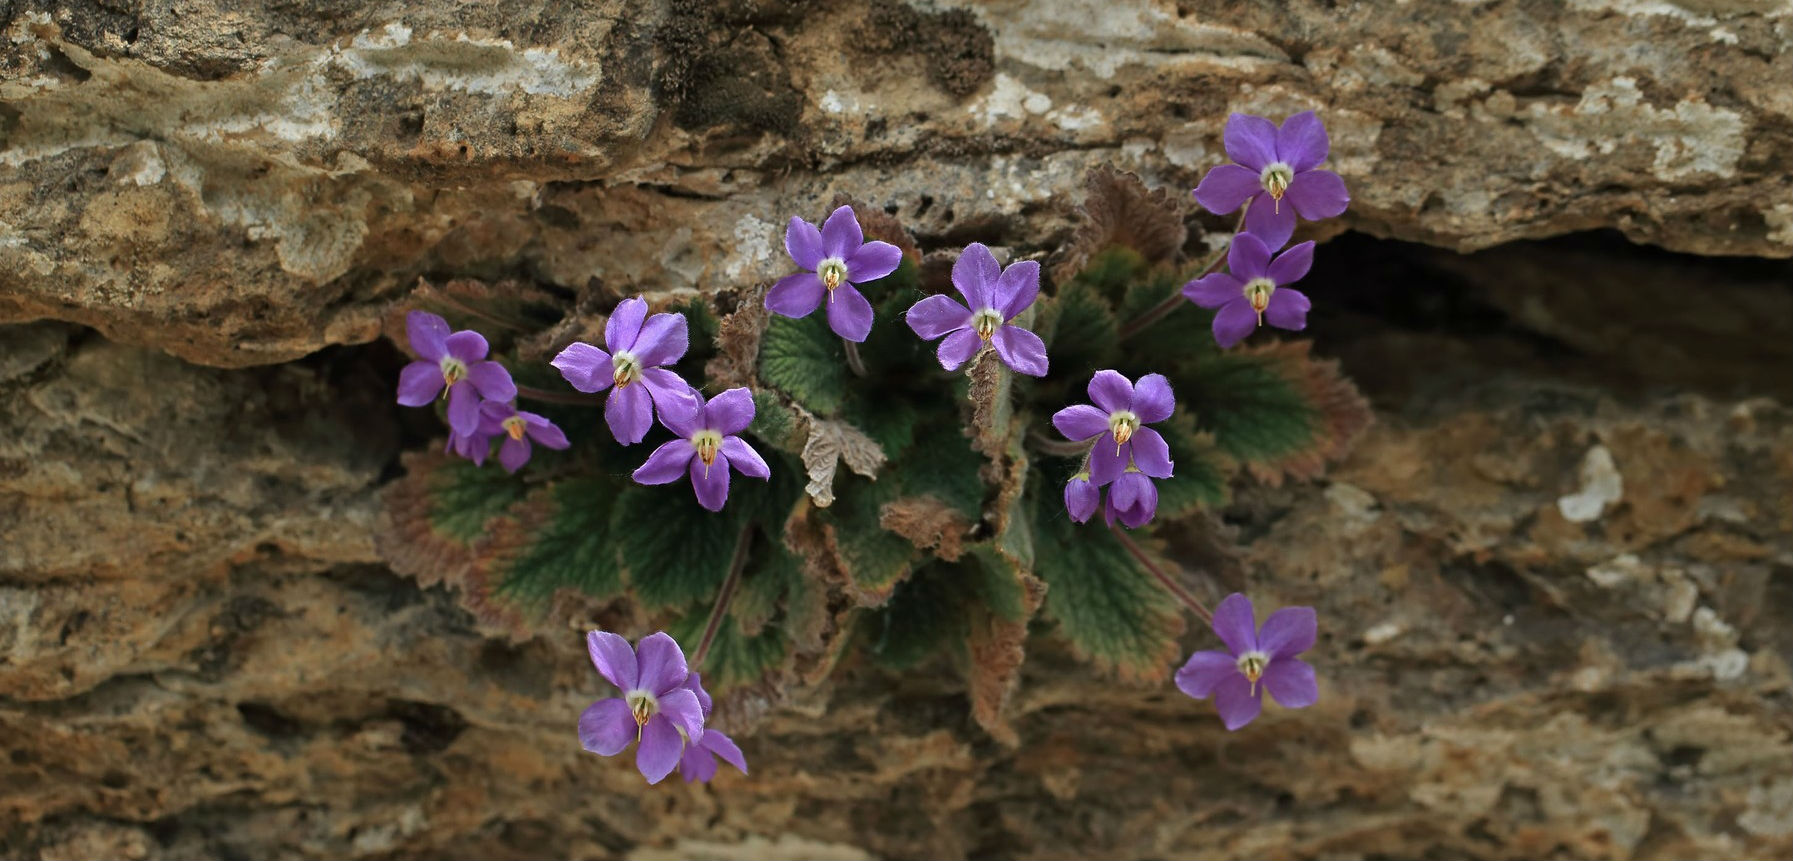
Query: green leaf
x=1255, y=412
x=943, y=465
x=703, y=325
x=889, y=421
x=919, y=619
x=775, y=423
x=676, y=553
x=735, y=658
x=876, y=560
x=1115, y=615
x=463, y=497
x=569, y=546
x=1081, y=328
x=1202, y=469
x=804, y=359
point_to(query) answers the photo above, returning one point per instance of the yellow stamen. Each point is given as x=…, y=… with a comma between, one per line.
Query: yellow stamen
x=1123, y=425
x=986, y=322
x=1252, y=664
x=833, y=272
x=627, y=369
x=515, y=427
x=707, y=443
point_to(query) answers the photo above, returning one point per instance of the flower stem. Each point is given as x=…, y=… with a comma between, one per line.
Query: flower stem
x=1174, y=300
x=1176, y=589
x=853, y=361
x=544, y=395
x=724, y=596
x=502, y=323
x=1063, y=447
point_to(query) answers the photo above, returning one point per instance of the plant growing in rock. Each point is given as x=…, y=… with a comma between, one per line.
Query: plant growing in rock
x=909, y=511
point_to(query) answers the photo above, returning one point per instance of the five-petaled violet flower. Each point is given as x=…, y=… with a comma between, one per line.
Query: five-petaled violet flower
x=1119, y=419
x=699, y=761
x=994, y=297
x=1255, y=661
x=655, y=708
x=454, y=360
x=1081, y=497
x=639, y=347
x=1132, y=499
x=474, y=446
x=1254, y=290
x=519, y=427
x=836, y=259
x=1275, y=170
x=707, y=447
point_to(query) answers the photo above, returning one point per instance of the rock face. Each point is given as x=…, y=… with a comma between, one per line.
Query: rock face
x=1555, y=581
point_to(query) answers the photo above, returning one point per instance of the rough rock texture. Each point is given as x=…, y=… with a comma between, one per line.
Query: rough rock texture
x=240, y=184
x=1556, y=579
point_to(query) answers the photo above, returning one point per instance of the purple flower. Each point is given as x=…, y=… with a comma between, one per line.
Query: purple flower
x=1252, y=291
x=699, y=760
x=1132, y=499
x=1122, y=410
x=993, y=297
x=1081, y=497
x=1254, y=656
x=639, y=348
x=707, y=447
x=1272, y=165
x=837, y=259
x=474, y=446
x=457, y=361
x=655, y=708
x=520, y=427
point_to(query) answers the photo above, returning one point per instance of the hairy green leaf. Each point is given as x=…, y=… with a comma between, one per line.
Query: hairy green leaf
x=676, y=553
x=1201, y=472
x=1112, y=611
x=463, y=497
x=803, y=358
x=919, y=620
x=569, y=546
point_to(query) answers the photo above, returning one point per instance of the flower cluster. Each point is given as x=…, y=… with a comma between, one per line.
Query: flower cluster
x=480, y=394
x=1275, y=175
x=1124, y=454
x=663, y=708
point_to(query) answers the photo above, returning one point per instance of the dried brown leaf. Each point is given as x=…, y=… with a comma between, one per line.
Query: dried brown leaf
x=1120, y=210
x=928, y=523
x=882, y=226
x=738, y=342
x=831, y=443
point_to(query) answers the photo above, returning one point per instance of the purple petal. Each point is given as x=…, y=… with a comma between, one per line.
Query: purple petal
x=1134, y=498
x=1289, y=631
x=1235, y=624
x=849, y=314
x=1152, y=399
x=1227, y=187
x=1021, y=350
x=428, y=335
x=1080, y=422
x=725, y=749
x=1250, y=141
x=803, y=241
x=1301, y=143
x=1124, y=493
x=585, y=367
x=1288, y=309
x=974, y=273
x=662, y=664
x=1317, y=194
x=1233, y=322
x=696, y=684
x=1151, y=453
x=419, y=383
x=614, y=658
x=513, y=453
x=1106, y=460
x=696, y=764
x=679, y=406
x=796, y=295
x=1204, y=672
x=1271, y=221
x=1291, y=265
x=660, y=747
x=1248, y=257
x=606, y=727
x=492, y=415
x=710, y=482
x=1236, y=702
x=744, y=459
x=663, y=340
x=1291, y=683
x=1016, y=289
x=1081, y=499
x=544, y=432
x=957, y=348
x=463, y=409
x=1214, y=290
x=666, y=464
x=935, y=316
x=492, y=381
x=630, y=413
x=466, y=345
x=682, y=708
x=730, y=412
x=473, y=447
x=624, y=324
x=841, y=236
x=1111, y=391
x=872, y=261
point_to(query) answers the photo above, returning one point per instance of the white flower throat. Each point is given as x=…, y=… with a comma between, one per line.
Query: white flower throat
x=453, y=371
x=1257, y=292
x=986, y=322
x=1252, y=665
x=627, y=368
x=707, y=443
x=1277, y=177
x=1123, y=424
x=833, y=272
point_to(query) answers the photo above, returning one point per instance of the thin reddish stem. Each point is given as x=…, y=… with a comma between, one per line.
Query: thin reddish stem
x=1175, y=300
x=724, y=596
x=854, y=363
x=1164, y=579
x=546, y=396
